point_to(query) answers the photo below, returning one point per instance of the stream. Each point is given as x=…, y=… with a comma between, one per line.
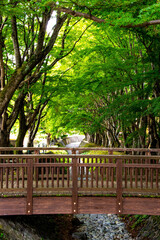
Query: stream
x=99, y=226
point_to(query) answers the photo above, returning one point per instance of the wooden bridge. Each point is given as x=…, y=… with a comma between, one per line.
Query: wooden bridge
x=125, y=181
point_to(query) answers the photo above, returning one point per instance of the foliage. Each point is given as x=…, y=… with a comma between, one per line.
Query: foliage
x=139, y=219
x=98, y=76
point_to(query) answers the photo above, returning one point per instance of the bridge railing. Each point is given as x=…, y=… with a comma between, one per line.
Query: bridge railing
x=93, y=174
x=118, y=174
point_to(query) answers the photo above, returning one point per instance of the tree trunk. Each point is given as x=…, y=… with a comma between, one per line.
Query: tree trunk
x=154, y=138
x=22, y=126
x=4, y=138
x=20, y=138
x=4, y=133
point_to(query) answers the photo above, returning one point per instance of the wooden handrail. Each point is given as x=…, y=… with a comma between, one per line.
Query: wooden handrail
x=81, y=148
x=78, y=174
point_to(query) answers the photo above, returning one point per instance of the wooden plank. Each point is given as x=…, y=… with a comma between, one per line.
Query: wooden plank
x=80, y=149
x=12, y=165
x=87, y=205
x=52, y=164
x=52, y=205
x=96, y=190
x=12, y=206
x=97, y=205
x=142, y=165
x=141, y=191
x=52, y=191
x=147, y=206
x=26, y=156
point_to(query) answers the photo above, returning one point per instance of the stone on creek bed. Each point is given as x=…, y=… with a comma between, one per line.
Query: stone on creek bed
x=101, y=227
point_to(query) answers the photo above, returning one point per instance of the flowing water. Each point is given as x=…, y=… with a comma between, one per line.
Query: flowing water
x=98, y=226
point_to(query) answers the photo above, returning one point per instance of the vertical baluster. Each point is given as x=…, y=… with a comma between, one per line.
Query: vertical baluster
x=131, y=182
x=82, y=172
x=12, y=177
x=22, y=174
x=157, y=178
x=112, y=177
x=110, y=152
x=92, y=174
x=107, y=177
x=136, y=182
x=147, y=171
x=151, y=178
x=47, y=177
x=50, y=160
x=53, y=171
x=58, y=174
x=1, y=174
x=63, y=173
x=87, y=173
x=42, y=176
x=141, y=177
x=96, y=174
x=45, y=171
x=17, y=173
x=7, y=170
x=36, y=169
x=52, y=176
x=102, y=173
x=68, y=174
x=146, y=174
x=126, y=175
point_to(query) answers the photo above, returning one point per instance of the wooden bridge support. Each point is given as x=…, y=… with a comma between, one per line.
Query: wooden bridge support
x=29, y=208
x=119, y=187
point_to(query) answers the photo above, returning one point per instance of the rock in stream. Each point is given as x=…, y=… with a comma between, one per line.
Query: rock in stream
x=101, y=227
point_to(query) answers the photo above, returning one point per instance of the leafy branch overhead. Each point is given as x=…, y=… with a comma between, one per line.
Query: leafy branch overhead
x=89, y=15
x=103, y=54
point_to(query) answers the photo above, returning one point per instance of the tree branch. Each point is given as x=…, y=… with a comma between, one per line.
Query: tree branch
x=99, y=20
x=15, y=42
x=43, y=26
x=2, y=24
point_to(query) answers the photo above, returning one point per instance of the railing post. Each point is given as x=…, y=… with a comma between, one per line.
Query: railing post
x=37, y=151
x=75, y=184
x=29, y=208
x=119, y=186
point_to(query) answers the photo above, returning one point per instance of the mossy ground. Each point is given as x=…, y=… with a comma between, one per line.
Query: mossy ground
x=3, y=235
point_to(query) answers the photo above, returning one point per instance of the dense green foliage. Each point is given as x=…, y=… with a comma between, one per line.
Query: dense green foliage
x=95, y=70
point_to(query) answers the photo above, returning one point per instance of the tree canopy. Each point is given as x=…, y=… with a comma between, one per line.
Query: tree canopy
x=96, y=69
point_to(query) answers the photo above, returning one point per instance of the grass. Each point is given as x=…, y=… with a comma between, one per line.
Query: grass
x=2, y=235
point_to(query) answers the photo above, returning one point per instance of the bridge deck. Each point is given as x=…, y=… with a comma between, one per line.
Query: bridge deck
x=47, y=183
